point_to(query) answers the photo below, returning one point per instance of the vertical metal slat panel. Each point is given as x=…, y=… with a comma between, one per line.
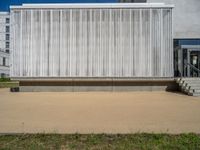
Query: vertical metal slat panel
x=92, y=43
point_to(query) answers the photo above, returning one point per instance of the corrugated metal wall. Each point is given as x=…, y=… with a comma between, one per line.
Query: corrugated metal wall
x=92, y=43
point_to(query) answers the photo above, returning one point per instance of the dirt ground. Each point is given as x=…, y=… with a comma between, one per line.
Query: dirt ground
x=98, y=112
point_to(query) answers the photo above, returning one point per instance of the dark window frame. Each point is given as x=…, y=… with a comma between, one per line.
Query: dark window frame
x=7, y=51
x=7, y=29
x=4, y=61
x=7, y=45
x=7, y=37
x=7, y=20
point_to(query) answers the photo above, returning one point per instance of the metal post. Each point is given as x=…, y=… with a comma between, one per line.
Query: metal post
x=188, y=61
x=199, y=63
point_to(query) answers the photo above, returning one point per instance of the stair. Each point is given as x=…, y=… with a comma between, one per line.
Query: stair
x=189, y=86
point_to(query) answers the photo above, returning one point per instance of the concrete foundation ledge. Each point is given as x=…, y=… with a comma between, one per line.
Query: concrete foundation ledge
x=96, y=85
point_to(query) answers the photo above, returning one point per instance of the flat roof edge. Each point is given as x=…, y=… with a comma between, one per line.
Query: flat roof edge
x=92, y=5
x=4, y=13
x=190, y=46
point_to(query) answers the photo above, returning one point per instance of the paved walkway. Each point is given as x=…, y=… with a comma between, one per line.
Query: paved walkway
x=98, y=112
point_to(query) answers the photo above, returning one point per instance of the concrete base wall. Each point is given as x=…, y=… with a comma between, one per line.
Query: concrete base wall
x=109, y=85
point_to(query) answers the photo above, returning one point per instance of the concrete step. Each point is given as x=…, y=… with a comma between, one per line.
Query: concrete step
x=194, y=87
x=189, y=82
x=178, y=80
x=194, y=94
x=193, y=91
x=183, y=82
x=192, y=83
x=190, y=86
x=196, y=90
x=190, y=79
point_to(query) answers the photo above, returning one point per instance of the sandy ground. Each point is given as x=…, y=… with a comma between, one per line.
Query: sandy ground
x=98, y=112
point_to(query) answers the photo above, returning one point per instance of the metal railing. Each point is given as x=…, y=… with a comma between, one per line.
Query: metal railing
x=187, y=65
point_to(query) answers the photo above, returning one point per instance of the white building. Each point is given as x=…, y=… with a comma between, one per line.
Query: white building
x=92, y=40
x=4, y=43
x=186, y=26
x=126, y=46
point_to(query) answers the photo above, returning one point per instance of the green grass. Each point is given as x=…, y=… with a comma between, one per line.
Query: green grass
x=101, y=142
x=7, y=83
x=4, y=79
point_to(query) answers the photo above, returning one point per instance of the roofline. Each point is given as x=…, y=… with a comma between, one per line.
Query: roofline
x=91, y=5
x=4, y=13
x=190, y=46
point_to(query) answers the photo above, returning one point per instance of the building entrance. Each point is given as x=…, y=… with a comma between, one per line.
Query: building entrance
x=187, y=61
x=194, y=61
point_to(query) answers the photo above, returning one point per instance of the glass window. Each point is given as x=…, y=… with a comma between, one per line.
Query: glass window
x=7, y=51
x=7, y=20
x=7, y=37
x=4, y=61
x=7, y=29
x=2, y=75
x=7, y=45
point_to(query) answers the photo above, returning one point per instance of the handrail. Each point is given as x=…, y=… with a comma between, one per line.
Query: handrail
x=193, y=67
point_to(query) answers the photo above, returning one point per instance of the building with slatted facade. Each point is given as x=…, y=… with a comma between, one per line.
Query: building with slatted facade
x=104, y=41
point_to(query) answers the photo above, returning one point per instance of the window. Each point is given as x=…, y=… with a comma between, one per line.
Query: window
x=7, y=37
x=7, y=20
x=181, y=49
x=2, y=75
x=4, y=61
x=7, y=45
x=7, y=29
x=7, y=51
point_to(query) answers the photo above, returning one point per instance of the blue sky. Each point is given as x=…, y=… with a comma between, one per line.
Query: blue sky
x=4, y=4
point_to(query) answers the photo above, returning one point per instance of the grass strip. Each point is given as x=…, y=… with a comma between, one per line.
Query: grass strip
x=101, y=141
